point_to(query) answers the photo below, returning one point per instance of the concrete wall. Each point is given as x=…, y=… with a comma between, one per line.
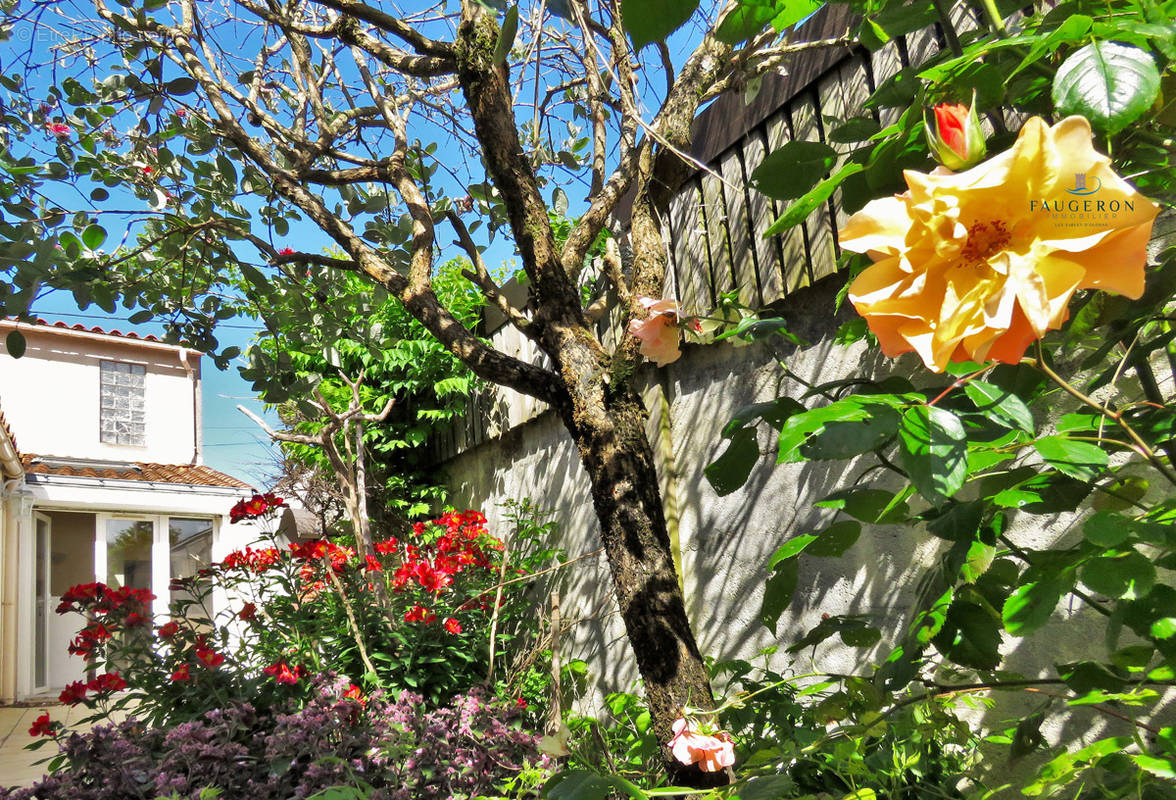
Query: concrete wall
x=724, y=542
x=51, y=395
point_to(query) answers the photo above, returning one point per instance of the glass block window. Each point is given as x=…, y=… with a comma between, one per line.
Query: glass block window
x=122, y=418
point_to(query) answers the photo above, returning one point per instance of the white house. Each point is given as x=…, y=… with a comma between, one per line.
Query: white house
x=103, y=480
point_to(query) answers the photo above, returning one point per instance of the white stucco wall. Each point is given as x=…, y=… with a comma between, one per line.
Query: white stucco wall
x=51, y=395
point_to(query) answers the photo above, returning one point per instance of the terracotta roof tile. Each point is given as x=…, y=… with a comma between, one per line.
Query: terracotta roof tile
x=95, y=329
x=130, y=471
x=7, y=431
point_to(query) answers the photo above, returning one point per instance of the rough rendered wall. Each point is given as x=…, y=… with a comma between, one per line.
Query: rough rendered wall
x=724, y=542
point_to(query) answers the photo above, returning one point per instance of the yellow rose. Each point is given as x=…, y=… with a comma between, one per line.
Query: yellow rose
x=976, y=265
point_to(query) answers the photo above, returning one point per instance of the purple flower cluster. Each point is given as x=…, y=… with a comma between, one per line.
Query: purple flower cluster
x=398, y=750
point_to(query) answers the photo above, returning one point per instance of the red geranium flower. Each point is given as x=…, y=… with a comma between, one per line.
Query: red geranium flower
x=73, y=693
x=43, y=727
x=209, y=657
x=108, y=682
x=283, y=672
x=182, y=674
x=168, y=630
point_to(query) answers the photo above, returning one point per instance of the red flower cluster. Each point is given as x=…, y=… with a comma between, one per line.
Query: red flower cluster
x=43, y=727
x=100, y=599
x=75, y=692
x=419, y=614
x=250, y=560
x=256, y=506
x=283, y=672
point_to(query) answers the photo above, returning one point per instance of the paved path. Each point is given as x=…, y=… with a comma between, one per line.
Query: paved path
x=18, y=766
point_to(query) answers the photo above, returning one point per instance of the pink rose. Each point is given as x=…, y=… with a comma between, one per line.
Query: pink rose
x=711, y=752
x=658, y=333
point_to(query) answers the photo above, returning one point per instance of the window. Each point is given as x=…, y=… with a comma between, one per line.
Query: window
x=122, y=419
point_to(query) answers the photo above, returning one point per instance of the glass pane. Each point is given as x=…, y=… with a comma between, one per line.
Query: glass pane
x=190, y=542
x=40, y=656
x=128, y=553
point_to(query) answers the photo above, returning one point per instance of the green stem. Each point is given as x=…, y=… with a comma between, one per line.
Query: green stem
x=995, y=22
x=943, y=9
x=1141, y=446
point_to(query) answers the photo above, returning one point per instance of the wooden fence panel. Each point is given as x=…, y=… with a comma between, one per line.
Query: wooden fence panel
x=819, y=225
x=762, y=212
x=691, y=260
x=743, y=260
x=715, y=215
x=794, y=245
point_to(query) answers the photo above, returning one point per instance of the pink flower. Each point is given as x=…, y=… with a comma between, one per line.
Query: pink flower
x=711, y=752
x=658, y=333
x=59, y=129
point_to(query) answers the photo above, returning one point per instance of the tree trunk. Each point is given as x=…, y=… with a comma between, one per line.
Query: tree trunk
x=618, y=458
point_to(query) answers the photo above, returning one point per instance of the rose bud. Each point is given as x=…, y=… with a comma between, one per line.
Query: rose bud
x=955, y=139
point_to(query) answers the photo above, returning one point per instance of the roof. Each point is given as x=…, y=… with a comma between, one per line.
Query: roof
x=5, y=430
x=94, y=329
x=40, y=325
x=129, y=471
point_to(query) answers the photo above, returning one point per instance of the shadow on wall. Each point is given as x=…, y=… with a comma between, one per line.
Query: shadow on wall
x=725, y=542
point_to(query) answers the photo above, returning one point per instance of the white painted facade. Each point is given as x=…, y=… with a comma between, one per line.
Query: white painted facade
x=51, y=394
x=64, y=520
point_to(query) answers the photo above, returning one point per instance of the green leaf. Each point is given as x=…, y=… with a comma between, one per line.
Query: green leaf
x=790, y=171
x=778, y=592
x=749, y=17
x=506, y=35
x=791, y=549
x=1130, y=575
x=1106, y=529
x=835, y=540
x=653, y=20
x=842, y=440
x=933, y=451
x=1000, y=405
x=180, y=86
x=1110, y=84
x=1164, y=628
x=767, y=787
x=970, y=635
x=876, y=506
x=855, y=129
x=15, y=343
x=1087, y=676
x=1031, y=605
x=798, y=211
x=1081, y=460
x=730, y=470
x=93, y=236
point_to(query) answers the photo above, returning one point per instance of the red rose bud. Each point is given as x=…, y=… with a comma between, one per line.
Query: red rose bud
x=956, y=139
